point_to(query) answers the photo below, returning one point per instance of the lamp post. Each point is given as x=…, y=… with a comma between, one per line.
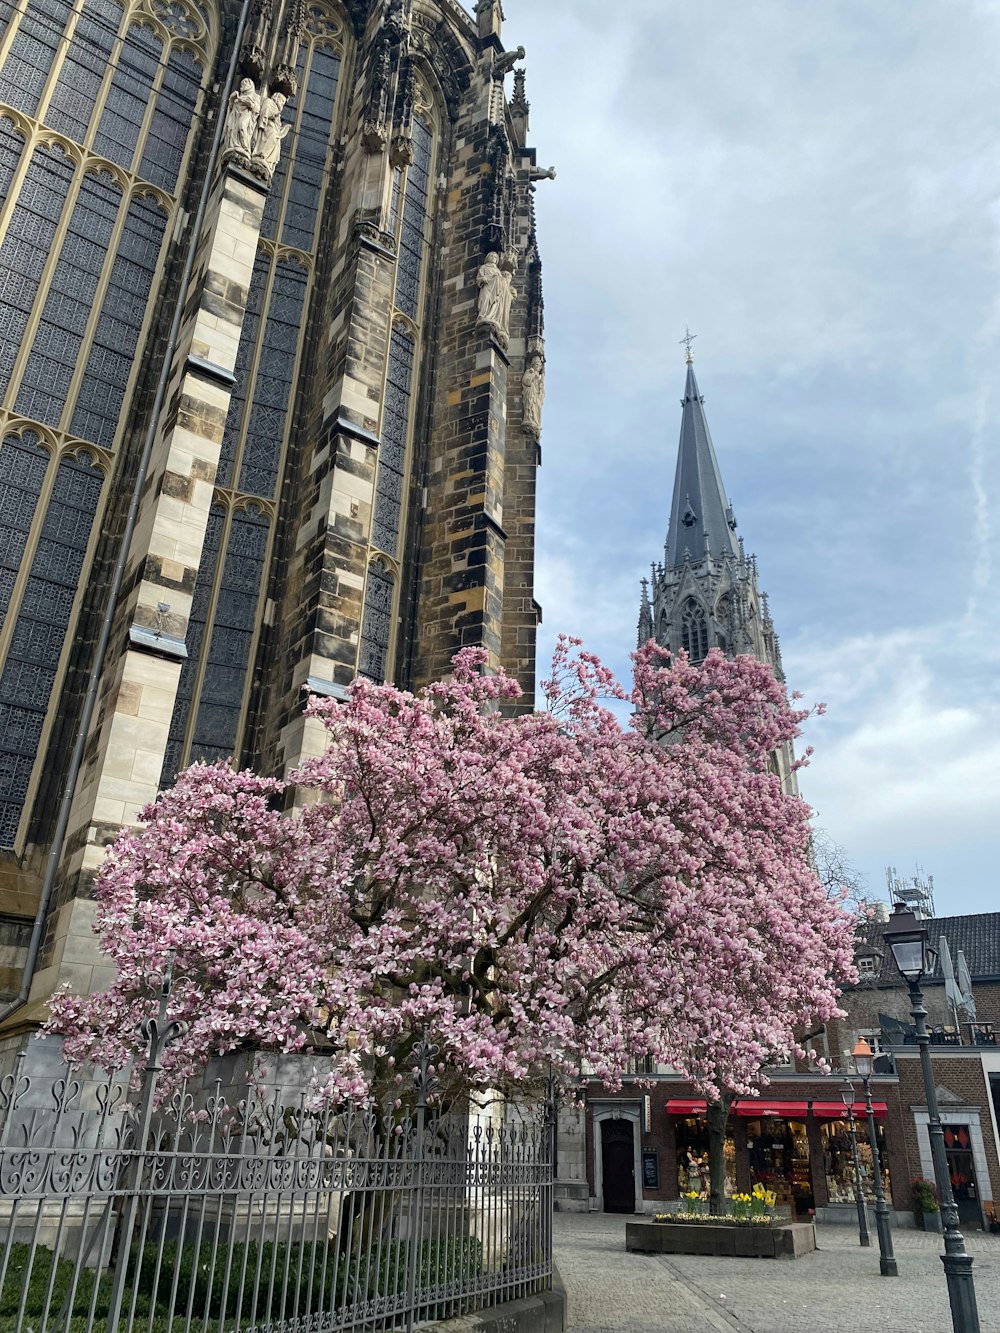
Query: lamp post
x=847, y=1094
x=913, y=956
x=864, y=1064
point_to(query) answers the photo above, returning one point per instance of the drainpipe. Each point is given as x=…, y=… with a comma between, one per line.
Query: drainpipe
x=118, y=575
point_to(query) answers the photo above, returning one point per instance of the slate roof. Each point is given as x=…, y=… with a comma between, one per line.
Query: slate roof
x=977, y=935
x=699, y=507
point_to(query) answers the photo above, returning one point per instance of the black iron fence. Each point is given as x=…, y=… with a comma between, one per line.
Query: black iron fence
x=263, y=1213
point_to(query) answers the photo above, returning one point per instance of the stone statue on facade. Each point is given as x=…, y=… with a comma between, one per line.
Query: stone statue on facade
x=270, y=133
x=496, y=294
x=533, y=395
x=241, y=123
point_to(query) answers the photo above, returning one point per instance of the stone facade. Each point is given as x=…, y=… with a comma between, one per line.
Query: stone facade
x=318, y=451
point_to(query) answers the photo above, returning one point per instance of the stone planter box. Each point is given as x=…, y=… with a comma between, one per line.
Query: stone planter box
x=789, y=1241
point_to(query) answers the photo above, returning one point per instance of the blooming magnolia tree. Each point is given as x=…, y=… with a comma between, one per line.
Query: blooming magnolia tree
x=545, y=887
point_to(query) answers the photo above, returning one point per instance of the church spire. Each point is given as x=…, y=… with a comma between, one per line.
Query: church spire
x=705, y=595
x=701, y=519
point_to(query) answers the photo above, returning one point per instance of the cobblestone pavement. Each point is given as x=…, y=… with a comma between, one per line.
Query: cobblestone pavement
x=837, y=1290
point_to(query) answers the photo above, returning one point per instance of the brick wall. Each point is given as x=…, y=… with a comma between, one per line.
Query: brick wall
x=961, y=1075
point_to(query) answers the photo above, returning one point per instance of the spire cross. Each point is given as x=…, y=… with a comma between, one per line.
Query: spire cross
x=687, y=340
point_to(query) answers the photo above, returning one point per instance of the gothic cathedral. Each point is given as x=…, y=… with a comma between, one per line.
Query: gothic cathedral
x=271, y=372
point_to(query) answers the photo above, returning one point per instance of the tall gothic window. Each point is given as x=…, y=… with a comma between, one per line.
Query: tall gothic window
x=408, y=218
x=231, y=584
x=395, y=434
x=39, y=632
x=82, y=237
x=376, y=624
x=296, y=194
x=225, y=614
x=694, y=630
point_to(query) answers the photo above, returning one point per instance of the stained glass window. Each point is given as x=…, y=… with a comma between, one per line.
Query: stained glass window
x=128, y=96
x=32, y=53
x=171, y=122
x=392, y=451
x=200, y=605
x=221, y=698
x=411, y=235
x=56, y=349
x=272, y=387
x=116, y=337
x=86, y=58
x=37, y=641
x=376, y=626
x=272, y=205
x=11, y=147
x=309, y=159
x=26, y=247
x=244, y=360
x=22, y=470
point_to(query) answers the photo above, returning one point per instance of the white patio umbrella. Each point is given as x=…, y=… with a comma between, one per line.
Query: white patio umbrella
x=951, y=988
x=964, y=977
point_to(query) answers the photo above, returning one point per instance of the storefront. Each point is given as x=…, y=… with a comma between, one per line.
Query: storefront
x=801, y=1150
x=838, y=1161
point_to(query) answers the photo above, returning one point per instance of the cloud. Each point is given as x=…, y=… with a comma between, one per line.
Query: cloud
x=905, y=770
x=813, y=189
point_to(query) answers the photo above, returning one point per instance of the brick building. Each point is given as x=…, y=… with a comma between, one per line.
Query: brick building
x=271, y=371
x=794, y=1137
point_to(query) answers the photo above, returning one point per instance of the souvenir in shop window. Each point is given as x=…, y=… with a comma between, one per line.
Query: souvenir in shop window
x=838, y=1160
x=692, y=1156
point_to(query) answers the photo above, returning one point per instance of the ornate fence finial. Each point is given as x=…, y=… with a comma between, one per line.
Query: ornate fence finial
x=425, y=1079
x=156, y=1032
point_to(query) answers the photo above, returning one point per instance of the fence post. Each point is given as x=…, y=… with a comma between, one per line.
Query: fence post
x=158, y=1035
x=547, y=1184
x=425, y=1081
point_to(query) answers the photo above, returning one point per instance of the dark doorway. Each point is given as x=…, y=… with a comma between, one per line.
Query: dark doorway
x=958, y=1147
x=618, y=1165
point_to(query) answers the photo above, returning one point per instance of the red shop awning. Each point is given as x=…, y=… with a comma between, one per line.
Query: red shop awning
x=838, y=1111
x=757, y=1107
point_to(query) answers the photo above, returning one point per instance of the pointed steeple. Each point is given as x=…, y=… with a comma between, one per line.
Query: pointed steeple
x=706, y=595
x=701, y=518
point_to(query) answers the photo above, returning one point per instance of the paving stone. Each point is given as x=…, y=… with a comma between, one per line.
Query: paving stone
x=839, y=1289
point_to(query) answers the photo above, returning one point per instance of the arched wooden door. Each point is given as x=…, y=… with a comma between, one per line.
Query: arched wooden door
x=618, y=1165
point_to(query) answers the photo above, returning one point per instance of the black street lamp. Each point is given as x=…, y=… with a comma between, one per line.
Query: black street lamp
x=864, y=1064
x=914, y=958
x=847, y=1095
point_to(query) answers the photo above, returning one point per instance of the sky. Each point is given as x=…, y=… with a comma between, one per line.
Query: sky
x=813, y=188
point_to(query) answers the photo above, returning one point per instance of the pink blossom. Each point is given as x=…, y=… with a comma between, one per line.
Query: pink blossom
x=536, y=890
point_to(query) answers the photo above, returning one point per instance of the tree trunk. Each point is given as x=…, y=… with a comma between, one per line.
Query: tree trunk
x=718, y=1114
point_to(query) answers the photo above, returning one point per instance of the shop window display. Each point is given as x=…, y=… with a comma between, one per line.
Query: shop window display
x=778, y=1155
x=692, y=1156
x=839, y=1162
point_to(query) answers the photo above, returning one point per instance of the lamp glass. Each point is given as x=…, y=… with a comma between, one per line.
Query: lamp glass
x=908, y=955
x=847, y=1094
x=864, y=1060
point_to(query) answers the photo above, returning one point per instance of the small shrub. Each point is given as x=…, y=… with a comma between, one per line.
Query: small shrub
x=213, y=1294
x=925, y=1196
